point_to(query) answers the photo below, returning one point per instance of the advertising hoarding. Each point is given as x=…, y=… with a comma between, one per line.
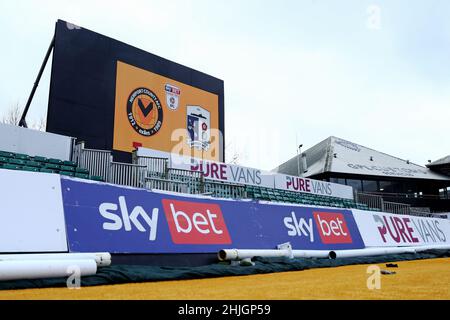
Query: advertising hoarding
x=115, y=219
x=380, y=229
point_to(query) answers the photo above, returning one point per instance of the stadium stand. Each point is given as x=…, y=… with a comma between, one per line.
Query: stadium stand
x=160, y=176
x=269, y=194
x=155, y=173
x=24, y=162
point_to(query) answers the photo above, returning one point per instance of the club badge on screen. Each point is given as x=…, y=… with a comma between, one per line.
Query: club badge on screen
x=144, y=112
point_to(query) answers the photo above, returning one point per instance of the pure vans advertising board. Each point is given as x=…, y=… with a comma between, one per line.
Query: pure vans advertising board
x=230, y=173
x=380, y=229
x=116, y=97
x=102, y=217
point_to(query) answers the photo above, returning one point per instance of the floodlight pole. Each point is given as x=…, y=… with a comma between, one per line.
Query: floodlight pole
x=22, y=122
x=299, y=154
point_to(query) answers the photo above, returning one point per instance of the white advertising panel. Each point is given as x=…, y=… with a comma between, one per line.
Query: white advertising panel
x=218, y=171
x=31, y=212
x=34, y=143
x=305, y=185
x=230, y=173
x=384, y=229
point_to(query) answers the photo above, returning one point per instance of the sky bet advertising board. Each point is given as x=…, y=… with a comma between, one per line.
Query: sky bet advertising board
x=117, y=97
x=101, y=217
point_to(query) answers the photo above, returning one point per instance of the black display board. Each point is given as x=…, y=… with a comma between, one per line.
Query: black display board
x=83, y=84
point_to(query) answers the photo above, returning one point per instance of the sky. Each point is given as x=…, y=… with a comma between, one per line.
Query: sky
x=376, y=73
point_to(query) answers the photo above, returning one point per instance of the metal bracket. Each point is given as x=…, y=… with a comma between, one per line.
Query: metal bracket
x=288, y=247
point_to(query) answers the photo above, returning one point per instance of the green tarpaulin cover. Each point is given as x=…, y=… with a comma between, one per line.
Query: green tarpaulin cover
x=120, y=274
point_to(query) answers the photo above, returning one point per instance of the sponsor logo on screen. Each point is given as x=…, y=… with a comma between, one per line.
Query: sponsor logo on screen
x=144, y=112
x=198, y=125
x=195, y=223
x=172, y=96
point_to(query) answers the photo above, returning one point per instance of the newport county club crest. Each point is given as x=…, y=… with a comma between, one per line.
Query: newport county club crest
x=144, y=111
x=172, y=96
x=198, y=127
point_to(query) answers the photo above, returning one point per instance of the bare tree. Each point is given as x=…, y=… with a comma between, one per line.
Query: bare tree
x=232, y=154
x=40, y=124
x=13, y=115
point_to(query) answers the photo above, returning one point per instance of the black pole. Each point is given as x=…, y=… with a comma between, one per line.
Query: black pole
x=22, y=121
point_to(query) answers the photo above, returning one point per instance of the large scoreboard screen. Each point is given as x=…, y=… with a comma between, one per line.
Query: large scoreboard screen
x=116, y=97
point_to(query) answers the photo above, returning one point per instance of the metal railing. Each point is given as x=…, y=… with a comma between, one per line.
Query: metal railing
x=194, y=179
x=224, y=190
x=377, y=202
x=96, y=161
x=127, y=174
x=154, y=165
x=422, y=212
x=76, y=151
x=166, y=185
x=394, y=207
x=410, y=195
x=372, y=201
x=99, y=163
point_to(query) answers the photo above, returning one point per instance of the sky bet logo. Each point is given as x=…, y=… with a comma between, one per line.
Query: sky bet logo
x=189, y=222
x=331, y=226
x=128, y=220
x=195, y=223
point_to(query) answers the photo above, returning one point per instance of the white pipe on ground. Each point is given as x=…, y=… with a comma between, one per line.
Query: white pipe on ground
x=310, y=253
x=238, y=254
x=430, y=247
x=40, y=269
x=335, y=254
x=102, y=259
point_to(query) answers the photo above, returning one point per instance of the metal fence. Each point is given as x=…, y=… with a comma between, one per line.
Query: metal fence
x=421, y=211
x=372, y=201
x=99, y=163
x=194, y=179
x=224, y=190
x=76, y=151
x=155, y=166
x=166, y=185
x=377, y=202
x=127, y=174
x=96, y=161
x=394, y=207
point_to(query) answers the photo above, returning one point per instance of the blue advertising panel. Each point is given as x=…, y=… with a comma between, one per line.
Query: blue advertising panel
x=102, y=217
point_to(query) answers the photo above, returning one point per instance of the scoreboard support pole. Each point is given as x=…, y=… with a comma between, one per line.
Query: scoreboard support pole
x=22, y=122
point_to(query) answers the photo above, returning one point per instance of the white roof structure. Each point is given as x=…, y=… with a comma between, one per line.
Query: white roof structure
x=442, y=161
x=342, y=156
x=441, y=165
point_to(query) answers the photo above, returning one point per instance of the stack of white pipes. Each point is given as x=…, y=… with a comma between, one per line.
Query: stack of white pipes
x=51, y=265
x=238, y=254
